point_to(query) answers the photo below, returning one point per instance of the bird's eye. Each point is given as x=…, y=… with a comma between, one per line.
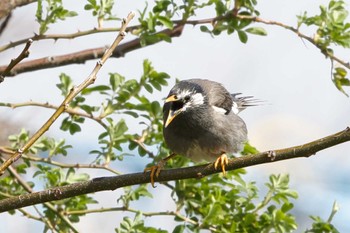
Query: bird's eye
x=187, y=98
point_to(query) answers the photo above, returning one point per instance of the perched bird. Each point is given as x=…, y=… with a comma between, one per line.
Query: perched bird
x=200, y=122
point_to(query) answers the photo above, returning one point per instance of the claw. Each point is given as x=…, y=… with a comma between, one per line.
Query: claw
x=154, y=171
x=223, y=160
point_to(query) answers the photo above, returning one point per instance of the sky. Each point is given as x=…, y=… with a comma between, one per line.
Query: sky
x=291, y=75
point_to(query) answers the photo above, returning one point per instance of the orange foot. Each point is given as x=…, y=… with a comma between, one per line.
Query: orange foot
x=155, y=170
x=223, y=161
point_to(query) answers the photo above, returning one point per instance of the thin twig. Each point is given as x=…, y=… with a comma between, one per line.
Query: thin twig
x=69, y=110
x=73, y=92
x=71, y=165
x=146, y=214
x=301, y=35
x=115, y=182
x=68, y=36
x=14, y=62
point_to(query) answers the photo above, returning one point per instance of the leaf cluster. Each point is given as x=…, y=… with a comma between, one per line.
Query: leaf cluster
x=331, y=29
x=226, y=20
x=49, y=12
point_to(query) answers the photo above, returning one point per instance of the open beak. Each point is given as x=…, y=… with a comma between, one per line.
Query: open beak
x=172, y=114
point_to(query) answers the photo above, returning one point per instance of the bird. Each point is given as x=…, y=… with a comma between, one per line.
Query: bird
x=201, y=122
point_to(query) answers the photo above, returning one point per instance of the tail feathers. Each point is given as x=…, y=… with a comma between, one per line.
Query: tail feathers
x=242, y=102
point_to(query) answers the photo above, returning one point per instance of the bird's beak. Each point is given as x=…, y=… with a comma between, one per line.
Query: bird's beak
x=171, y=98
x=172, y=114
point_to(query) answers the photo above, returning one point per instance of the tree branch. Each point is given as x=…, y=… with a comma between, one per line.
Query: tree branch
x=68, y=36
x=270, y=22
x=14, y=62
x=85, y=55
x=6, y=6
x=71, y=165
x=69, y=110
x=115, y=182
x=72, y=94
x=89, y=54
x=301, y=35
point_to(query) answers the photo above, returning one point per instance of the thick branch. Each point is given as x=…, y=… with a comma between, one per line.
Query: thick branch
x=6, y=6
x=115, y=182
x=85, y=55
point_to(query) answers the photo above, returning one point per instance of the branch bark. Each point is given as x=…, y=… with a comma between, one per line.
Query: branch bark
x=115, y=182
x=85, y=55
x=6, y=6
x=25, y=53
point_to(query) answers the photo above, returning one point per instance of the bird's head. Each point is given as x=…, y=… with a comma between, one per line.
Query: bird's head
x=185, y=96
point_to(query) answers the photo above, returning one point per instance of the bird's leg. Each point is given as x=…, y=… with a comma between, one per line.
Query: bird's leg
x=155, y=169
x=223, y=161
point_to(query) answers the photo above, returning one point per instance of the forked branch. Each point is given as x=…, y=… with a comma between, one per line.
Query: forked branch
x=21, y=56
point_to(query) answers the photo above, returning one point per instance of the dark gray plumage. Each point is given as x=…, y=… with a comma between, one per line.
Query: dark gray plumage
x=201, y=121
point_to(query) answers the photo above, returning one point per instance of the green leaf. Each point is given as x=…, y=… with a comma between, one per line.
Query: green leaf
x=220, y=8
x=99, y=88
x=179, y=229
x=166, y=21
x=148, y=88
x=340, y=80
x=66, y=84
x=204, y=28
x=74, y=128
x=257, y=31
x=242, y=36
x=131, y=113
x=115, y=80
